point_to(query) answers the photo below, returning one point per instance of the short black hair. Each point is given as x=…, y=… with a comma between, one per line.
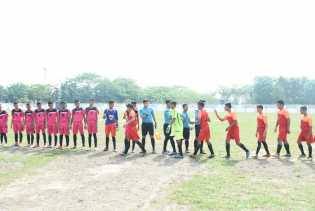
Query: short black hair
x=76, y=101
x=111, y=102
x=50, y=103
x=62, y=103
x=167, y=101
x=184, y=105
x=15, y=103
x=174, y=103
x=145, y=101
x=201, y=103
x=260, y=106
x=129, y=105
x=280, y=102
x=229, y=105
x=38, y=103
x=304, y=108
x=28, y=104
x=134, y=103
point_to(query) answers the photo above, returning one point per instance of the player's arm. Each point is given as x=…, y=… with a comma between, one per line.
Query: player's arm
x=277, y=125
x=289, y=125
x=266, y=127
x=71, y=121
x=218, y=116
x=116, y=119
x=154, y=119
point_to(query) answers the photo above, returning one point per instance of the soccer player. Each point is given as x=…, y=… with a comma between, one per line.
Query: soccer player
x=167, y=133
x=197, y=129
x=131, y=130
x=111, y=124
x=134, y=104
x=40, y=123
x=204, y=134
x=148, y=123
x=77, y=119
x=52, y=124
x=91, y=114
x=233, y=130
x=17, y=123
x=64, y=117
x=29, y=122
x=187, y=122
x=261, y=131
x=283, y=124
x=306, y=134
x=177, y=129
x=3, y=125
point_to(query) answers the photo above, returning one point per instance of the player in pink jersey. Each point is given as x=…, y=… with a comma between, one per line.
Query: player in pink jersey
x=29, y=124
x=64, y=117
x=17, y=123
x=40, y=123
x=78, y=117
x=3, y=126
x=52, y=123
x=91, y=114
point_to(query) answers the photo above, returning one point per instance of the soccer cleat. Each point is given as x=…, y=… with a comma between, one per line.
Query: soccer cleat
x=287, y=155
x=276, y=155
x=211, y=156
x=302, y=156
x=187, y=151
x=266, y=155
x=247, y=154
x=255, y=157
x=172, y=154
x=105, y=149
x=179, y=156
x=123, y=154
x=202, y=152
x=193, y=156
x=227, y=157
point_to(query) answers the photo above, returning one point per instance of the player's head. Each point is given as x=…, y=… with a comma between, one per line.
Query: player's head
x=77, y=103
x=260, y=108
x=62, y=105
x=134, y=103
x=185, y=107
x=280, y=104
x=50, y=105
x=39, y=105
x=146, y=103
x=303, y=110
x=111, y=104
x=201, y=104
x=173, y=104
x=28, y=106
x=227, y=106
x=129, y=107
x=92, y=102
x=168, y=104
x=16, y=105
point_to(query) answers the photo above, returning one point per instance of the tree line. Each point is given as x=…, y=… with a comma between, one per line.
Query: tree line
x=264, y=90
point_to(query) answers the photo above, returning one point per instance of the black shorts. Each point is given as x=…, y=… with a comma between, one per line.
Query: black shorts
x=167, y=135
x=197, y=130
x=147, y=128
x=186, y=133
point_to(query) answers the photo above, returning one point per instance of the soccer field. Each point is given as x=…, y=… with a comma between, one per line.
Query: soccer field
x=218, y=184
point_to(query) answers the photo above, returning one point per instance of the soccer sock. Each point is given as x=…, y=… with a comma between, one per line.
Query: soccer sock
x=44, y=137
x=1, y=138
x=28, y=137
x=56, y=140
x=75, y=140
x=21, y=137
x=201, y=147
x=187, y=144
x=266, y=147
x=49, y=139
x=95, y=140
x=180, y=147
x=279, y=147
x=106, y=142
x=5, y=138
x=90, y=140
x=242, y=146
x=60, y=140
x=37, y=139
x=133, y=145
x=165, y=144
x=143, y=142
x=67, y=140
x=114, y=142
x=197, y=148
x=301, y=148
x=195, y=144
x=140, y=145
x=287, y=148
x=228, y=149
x=210, y=148
x=173, y=144
x=32, y=139
x=153, y=144
x=83, y=140
x=310, y=149
x=258, y=147
x=127, y=146
x=16, y=138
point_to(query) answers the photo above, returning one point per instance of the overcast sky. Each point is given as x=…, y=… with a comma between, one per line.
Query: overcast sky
x=200, y=44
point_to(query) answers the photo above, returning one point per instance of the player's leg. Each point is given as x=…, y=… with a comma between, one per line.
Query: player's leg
x=243, y=147
x=144, y=132
x=107, y=132
x=258, y=148
x=264, y=143
x=302, y=155
x=287, y=148
x=44, y=137
x=210, y=148
x=67, y=139
x=60, y=140
x=113, y=133
x=133, y=145
x=186, y=137
x=141, y=146
x=1, y=138
x=309, y=146
x=228, y=148
x=95, y=139
x=180, y=154
x=127, y=146
x=21, y=137
x=28, y=138
x=172, y=141
x=166, y=138
x=279, y=147
x=90, y=140
x=49, y=136
x=151, y=133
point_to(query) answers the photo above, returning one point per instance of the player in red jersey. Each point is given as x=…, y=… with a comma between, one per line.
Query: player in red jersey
x=52, y=124
x=78, y=117
x=3, y=126
x=40, y=123
x=204, y=134
x=131, y=130
x=29, y=122
x=91, y=114
x=64, y=117
x=283, y=124
x=306, y=134
x=233, y=130
x=17, y=123
x=261, y=131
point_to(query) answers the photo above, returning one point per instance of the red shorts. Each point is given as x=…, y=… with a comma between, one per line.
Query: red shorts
x=17, y=127
x=261, y=136
x=306, y=138
x=92, y=128
x=29, y=129
x=52, y=129
x=40, y=129
x=282, y=135
x=63, y=130
x=77, y=128
x=4, y=129
x=111, y=129
x=233, y=134
x=204, y=135
x=132, y=134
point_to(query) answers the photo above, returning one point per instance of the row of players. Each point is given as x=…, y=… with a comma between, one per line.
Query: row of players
x=176, y=127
